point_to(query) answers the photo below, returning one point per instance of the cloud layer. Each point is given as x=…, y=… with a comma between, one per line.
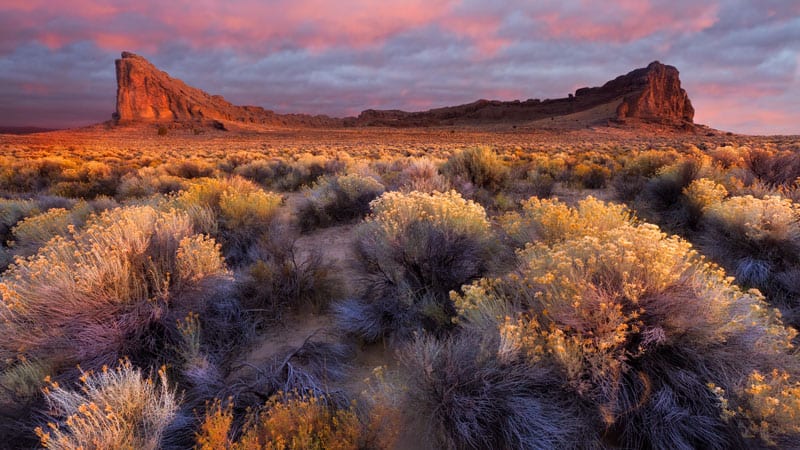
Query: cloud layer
x=739, y=59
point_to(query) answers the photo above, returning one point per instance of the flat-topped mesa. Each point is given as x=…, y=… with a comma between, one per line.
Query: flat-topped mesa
x=146, y=94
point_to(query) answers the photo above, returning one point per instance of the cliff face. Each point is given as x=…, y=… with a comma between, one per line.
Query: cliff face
x=145, y=93
x=651, y=94
x=654, y=94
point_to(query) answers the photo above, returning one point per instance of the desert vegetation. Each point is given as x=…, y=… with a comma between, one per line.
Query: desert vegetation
x=439, y=290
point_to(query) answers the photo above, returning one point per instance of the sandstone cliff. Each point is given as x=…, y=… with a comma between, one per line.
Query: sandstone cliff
x=652, y=94
x=145, y=93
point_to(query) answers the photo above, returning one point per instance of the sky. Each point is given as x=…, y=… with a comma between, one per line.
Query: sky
x=739, y=59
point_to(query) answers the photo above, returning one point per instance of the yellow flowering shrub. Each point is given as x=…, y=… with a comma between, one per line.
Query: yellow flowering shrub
x=394, y=211
x=772, y=217
x=704, y=193
x=550, y=220
x=772, y=405
x=234, y=211
x=77, y=298
x=289, y=422
x=605, y=304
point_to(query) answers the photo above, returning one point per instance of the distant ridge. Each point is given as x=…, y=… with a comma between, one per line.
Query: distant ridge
x=648, y=95
x=24, y=130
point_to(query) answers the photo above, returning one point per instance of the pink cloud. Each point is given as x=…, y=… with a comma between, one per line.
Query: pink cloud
x=624, y=20
x=339, y=56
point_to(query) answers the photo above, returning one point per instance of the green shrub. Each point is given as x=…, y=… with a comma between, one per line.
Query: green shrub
x=631, y=179
x=279, y=277
x=148, y=181
x=286, y=175
x=663, y=198
x=33, y=232
x=591, y=176
x=12, y=211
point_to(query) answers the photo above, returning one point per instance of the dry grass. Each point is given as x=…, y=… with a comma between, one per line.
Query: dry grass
x=115, y=408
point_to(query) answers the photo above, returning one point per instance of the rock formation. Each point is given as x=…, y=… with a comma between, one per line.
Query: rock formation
x=145, y=93
x=652, y=94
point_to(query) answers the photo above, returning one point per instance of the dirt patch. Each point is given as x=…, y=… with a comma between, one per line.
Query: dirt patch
x=572, y=196
x=335, y=245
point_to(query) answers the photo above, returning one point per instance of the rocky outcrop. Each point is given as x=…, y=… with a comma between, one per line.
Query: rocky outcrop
x=145, y=93
x=652, y=94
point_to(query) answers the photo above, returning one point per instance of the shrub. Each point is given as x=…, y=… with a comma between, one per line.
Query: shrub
x=115, y=288
x=479, y=166
x=631, y=179
x=234, y=211
x=21, y=384
x=467, y=397
x=774, y=168
x=337, y=200
x=116, y=408
x=148, y=181
x=758, y=240
x=285, y=175
x=188, y=168
x=541, y=184
x=279, y=277
x=552, y=221
x=12, y=211
x=663, y=196
x=702, y=194
x=34, y=231
x=421, y=174
x=591, y=176
x=772, y=405
x=287, y=422
x=640, y=325
x=415, y=248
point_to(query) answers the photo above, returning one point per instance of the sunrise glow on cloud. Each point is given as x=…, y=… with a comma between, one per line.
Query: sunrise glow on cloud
x=739, y=60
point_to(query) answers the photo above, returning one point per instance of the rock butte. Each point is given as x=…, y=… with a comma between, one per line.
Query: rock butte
x=649, y=95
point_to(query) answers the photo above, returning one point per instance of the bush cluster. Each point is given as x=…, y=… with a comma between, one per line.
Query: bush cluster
x=415, y=248
x=335, y=200
x=632, y=324
x=103, y=292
